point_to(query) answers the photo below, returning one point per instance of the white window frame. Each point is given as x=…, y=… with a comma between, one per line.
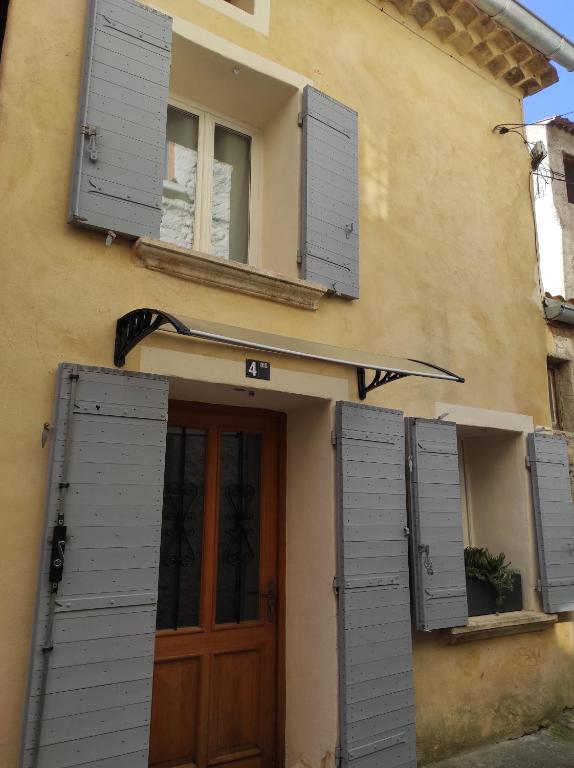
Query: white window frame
x=207, y=120
x=258, y=20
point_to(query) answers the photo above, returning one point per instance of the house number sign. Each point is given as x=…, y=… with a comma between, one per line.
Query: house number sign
x=257, y=369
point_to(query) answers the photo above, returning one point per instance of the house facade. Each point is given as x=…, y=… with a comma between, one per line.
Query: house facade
x=241, y=498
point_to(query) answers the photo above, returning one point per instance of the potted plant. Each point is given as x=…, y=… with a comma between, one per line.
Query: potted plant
x=492, y=586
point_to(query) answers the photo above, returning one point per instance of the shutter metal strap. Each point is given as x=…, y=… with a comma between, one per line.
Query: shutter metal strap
x=56, y=564
x=86, y=84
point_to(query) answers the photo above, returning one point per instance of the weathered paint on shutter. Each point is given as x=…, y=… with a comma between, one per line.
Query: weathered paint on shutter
x=96, y=708
x=437, y=547
x=118, y=171
x=554, y=514
x=330, y=194
x=376, y=709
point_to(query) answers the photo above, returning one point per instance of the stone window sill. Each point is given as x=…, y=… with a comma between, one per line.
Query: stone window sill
x=210, y=270
x=499, y=624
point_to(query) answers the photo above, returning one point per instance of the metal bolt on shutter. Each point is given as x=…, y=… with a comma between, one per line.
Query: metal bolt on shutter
x=554, y=514
x=121, y=132
x=90, y=679
x=437, y=548
x=376, y=708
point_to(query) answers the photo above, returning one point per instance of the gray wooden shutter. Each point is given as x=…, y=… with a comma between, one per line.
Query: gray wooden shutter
x=108, y=444
x=437, y=547
x=554, y=514
x=120, y=144
x=376, y=708
x=330, y=194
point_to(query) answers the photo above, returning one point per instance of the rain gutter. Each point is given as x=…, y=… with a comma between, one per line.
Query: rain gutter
x=559, y=311
x=532, y=29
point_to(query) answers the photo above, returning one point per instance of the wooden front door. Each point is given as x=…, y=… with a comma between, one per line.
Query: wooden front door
x=215, y=677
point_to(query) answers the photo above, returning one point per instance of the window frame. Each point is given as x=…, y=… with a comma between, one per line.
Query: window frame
x=568, y=161
x=552, y=372
x=207, y=120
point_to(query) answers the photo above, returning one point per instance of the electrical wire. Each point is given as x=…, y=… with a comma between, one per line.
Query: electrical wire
x=507, y=127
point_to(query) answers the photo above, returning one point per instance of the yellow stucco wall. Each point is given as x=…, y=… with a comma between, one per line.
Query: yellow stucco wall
x=448, y=274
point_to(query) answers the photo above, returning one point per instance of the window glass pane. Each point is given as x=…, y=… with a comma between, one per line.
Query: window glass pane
x=239, y=517
x=180, y=179
x=181, y=529
x=230, y=198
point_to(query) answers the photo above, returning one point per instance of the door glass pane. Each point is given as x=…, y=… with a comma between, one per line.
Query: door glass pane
x=181, y=529
x=180, y=178
x=239, y=518
x=230, y=198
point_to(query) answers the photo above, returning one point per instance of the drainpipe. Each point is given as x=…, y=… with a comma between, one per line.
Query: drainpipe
x=559, y=311
x=532, y=29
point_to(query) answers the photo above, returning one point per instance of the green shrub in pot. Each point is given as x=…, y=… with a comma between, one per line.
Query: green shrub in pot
x=481, y=564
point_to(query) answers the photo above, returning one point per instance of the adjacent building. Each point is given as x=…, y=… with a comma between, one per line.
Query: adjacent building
x=257, y=260
x=554, y=209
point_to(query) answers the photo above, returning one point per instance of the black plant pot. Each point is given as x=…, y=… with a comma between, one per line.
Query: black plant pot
x=481, y=597
x=513, y=600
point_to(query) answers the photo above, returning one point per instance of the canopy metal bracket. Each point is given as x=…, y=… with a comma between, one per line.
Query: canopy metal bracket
x=136, y=325
x=380, y=378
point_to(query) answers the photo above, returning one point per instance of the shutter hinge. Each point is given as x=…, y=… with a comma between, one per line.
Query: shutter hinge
x=338, y=757
x=410, y=464
x=300, y=119
x=336, y=584
x=299, y=256
x=333, y=438
x=407, y=531
x=539, y=586
x=527, y=462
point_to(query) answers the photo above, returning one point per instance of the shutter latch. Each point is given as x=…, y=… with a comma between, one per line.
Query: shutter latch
x=91, y=131
x=349, y=229
x=425, y=548
x=57, y=556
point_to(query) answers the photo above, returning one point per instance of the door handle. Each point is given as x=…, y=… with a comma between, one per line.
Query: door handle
x=271, y=597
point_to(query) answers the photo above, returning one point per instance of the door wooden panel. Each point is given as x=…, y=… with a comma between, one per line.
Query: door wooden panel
x=235, y=722
x=216, y=661
x=175, y=709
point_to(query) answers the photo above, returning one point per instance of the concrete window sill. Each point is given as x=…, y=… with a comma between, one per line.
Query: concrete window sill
x=500, y=624
x=209, y=270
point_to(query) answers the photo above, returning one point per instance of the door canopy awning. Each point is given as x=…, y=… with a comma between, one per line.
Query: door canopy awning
x=139, y=323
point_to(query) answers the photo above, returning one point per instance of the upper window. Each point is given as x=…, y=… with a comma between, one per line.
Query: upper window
x=252, y=13
x=569, y=177
x=552, y=370
x=207, y=188
x=245, y=5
